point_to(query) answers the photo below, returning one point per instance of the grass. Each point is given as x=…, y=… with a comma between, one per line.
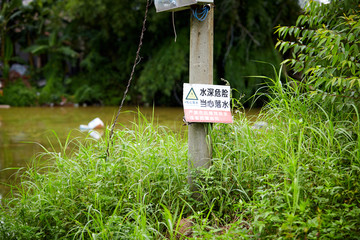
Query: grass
x=297, y=179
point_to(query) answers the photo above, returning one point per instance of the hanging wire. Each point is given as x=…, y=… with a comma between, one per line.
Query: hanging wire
x=200, y=13
x=136, y=62
x=173, y=22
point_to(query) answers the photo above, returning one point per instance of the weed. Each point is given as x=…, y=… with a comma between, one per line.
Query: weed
x=296, y=179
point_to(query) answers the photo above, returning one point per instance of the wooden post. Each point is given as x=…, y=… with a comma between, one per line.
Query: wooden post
x=201, y=72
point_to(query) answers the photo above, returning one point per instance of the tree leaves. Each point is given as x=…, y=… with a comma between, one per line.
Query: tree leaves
x=99, y=38
x=327, y=42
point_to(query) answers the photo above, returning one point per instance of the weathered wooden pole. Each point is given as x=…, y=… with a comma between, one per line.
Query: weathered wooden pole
x=201, y=72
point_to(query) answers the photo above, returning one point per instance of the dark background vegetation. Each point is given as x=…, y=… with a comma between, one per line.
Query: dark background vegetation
x=83, y=51
x=298, y=178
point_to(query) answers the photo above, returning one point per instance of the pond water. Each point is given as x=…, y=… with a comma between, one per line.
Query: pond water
x=24, y=130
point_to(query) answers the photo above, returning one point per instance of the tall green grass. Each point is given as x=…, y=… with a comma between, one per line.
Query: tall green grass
x=296, y=179
x=83, y=196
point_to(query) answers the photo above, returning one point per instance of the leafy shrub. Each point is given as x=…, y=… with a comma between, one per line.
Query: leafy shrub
x=54, y=88
x=167, y=68
x=50, y=94
x=17, y=94
x=86, y=94
x=325, y=50
x=298, y=179
x=99, y=85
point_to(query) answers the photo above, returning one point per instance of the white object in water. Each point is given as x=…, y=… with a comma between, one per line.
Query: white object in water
x=84, y=127
x=95, y=134
x=96, y=123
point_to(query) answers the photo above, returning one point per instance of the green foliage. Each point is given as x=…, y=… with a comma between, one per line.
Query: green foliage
x=325, y=50
x=54, y=88
x=55, y=46
x=9, y=13
x=241, y=69
x=18, y=95
x=107, y=46
x=87, y=94
x=84, y=38
x=244, y=35
x=167, y=68
x=101, y=85
x=297, y=179
x=83, y=195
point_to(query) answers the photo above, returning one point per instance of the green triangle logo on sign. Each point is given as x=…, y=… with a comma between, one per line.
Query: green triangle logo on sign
x=191, y=95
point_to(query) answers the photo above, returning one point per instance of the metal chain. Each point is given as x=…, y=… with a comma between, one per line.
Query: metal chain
x=136, y=62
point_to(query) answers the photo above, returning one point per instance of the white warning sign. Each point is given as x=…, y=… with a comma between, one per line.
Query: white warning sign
x=207, y=103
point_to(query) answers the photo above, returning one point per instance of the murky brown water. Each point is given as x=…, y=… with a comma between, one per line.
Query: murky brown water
x=23, y=129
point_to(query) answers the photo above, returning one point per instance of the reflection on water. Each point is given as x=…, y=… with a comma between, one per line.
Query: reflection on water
x=23, y=130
